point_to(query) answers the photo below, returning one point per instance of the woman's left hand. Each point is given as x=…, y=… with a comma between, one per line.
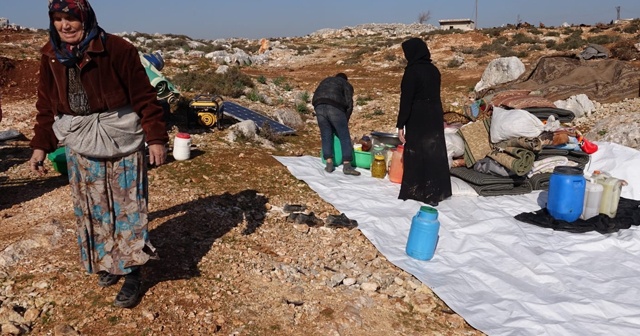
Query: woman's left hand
x=401, y=135
x=157, y=154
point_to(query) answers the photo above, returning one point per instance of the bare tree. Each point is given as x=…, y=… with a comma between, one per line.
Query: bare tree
x=424, y=17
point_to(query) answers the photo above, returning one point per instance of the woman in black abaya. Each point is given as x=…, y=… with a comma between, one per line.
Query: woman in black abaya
x=420, y=127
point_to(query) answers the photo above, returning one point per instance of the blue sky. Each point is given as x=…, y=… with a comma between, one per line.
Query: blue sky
x=210, y=19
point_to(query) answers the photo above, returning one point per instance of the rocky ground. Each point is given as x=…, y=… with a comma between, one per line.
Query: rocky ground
x=231, y=263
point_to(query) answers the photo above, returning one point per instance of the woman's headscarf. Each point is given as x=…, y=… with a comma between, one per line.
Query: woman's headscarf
x=81, y=10
x=416, y=51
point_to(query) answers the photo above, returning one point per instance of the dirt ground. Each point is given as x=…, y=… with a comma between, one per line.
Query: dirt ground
x=231, y=263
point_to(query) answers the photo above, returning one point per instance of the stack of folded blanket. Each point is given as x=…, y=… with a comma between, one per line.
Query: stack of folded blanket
x=489, y=185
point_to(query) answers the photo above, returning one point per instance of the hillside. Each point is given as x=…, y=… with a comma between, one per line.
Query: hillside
x=231, y=263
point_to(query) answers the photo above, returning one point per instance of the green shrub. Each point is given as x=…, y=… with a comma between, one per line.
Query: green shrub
x=302, y=108
x=363, y=100
x=493, y=32
x=625, y=50
x=603, y=39
x=454, y=63
x=467, y=50
x=552, y=33
x=303, y=49
x=357, y=55
x=231, y=84
x=500, y=40
x=497, y=46
x=390, y=57
x=443, y=32
x=248, y=47
x=574, y=41
x=278, y=81
x=535, y=31
x=521, y=38
x=267, y=132
x=254, y=96
x=262, y=79
x=304, y=96
x=631, y=29
x=171, y=44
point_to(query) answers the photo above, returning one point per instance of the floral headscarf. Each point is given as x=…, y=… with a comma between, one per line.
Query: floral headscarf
x=81, y=10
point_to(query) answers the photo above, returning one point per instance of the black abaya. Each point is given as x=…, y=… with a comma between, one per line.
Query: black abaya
x=426, y=175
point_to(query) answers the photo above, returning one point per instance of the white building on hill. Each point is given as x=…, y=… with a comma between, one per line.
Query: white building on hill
x=462, y=24
x=4, y=23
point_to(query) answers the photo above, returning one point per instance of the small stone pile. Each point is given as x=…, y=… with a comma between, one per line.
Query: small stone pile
x=614, y=122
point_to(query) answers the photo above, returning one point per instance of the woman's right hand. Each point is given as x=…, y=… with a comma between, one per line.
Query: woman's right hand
x=401, y=135
x=36, y=163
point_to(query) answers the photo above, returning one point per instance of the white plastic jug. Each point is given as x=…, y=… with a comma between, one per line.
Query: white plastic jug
x=182, y=146
x=611, y=188
x=592, y=199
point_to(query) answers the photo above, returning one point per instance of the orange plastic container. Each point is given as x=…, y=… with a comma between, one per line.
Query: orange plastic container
x=395, y=168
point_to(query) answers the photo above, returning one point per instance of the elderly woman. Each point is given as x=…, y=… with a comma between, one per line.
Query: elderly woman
x=95, y=98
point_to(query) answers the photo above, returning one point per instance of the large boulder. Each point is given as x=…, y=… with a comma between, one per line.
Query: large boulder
x=290, y=118
x=499, y=71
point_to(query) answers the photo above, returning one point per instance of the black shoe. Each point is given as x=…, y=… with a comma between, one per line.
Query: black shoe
x=347, y=169
x=294, y=208
x=340, y=221
x=106, y=279
x=300, y=218
x=329, y=168
x=130, y=292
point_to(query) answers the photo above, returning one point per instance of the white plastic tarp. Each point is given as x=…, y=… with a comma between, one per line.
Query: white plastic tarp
x=503, y=276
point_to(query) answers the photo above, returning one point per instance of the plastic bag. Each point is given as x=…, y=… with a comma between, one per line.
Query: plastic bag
x=507, y=124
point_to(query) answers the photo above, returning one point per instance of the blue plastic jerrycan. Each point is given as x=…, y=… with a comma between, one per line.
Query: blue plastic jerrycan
x=423, y=235
x=566, y=193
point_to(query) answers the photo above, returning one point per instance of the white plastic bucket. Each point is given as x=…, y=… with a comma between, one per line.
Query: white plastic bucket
x=182, y=146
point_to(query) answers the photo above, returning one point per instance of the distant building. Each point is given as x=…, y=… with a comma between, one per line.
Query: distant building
x=462, y=24
x=4, y=23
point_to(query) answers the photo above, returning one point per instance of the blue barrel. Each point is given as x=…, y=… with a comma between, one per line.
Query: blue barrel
x=423, y=235
x=566, y=193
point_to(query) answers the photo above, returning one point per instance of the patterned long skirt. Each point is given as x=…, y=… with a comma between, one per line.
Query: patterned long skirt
x=110, y=205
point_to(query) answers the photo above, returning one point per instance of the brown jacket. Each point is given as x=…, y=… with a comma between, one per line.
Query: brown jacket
x=113, y=77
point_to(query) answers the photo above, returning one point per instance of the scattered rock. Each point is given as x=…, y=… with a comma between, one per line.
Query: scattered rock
x=65, y=330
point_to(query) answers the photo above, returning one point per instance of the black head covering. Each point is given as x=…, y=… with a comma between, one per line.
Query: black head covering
x=415, y=50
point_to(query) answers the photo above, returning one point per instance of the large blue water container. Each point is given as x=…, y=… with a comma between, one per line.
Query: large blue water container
x=423, y=235
x=566, y=193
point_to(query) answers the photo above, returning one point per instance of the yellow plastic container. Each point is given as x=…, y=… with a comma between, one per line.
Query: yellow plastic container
x=611, y=188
